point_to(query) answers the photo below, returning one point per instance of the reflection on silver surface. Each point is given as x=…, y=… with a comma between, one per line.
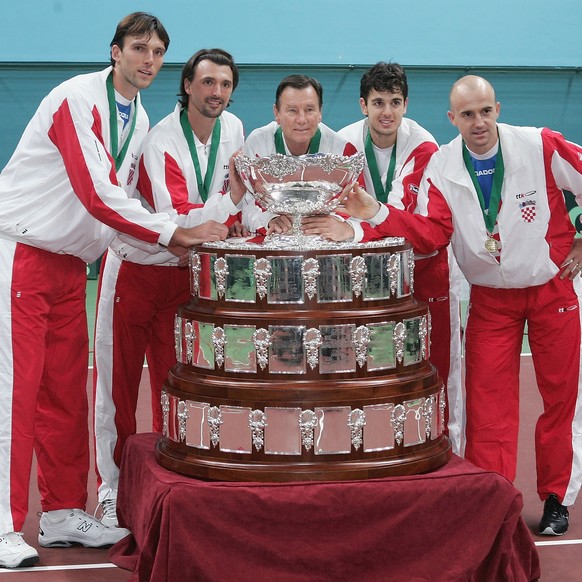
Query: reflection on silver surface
x=240, y=280
x=338, y=353
x=378, y=434
x=410, y=271
x=189, y=339
x=203, y=347
x=412, y=352
x=197, y=428
x=414, y=429
x=381, y=355
x=282, y=431
x=235, y=436
x=423, y=335
x=173, y=428
x=239, y=352
x=332, y=433
x=377, y=284
x=207, y=283
x=394, y=265
x=286, y=354
x=310, y=273
x=286, y=283
x=334, y=281
x=429, y=409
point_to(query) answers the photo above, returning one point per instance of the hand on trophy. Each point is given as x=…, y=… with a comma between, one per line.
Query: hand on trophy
x=280, y=224
x=238, y=230
x=237, y=187
x=328, y=226
x=184, y=238
x=356, y=202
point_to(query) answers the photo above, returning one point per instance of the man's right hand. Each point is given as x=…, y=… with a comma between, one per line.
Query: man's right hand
x=356, y=202
x=184, y=238
x=280, y=224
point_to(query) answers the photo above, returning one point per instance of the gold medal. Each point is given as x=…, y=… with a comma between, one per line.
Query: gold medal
x=491, y=245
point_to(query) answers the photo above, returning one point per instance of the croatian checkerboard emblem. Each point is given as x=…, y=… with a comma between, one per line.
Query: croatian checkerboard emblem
x=528, y=210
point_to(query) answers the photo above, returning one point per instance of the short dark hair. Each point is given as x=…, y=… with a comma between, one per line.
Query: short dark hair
x=384, y=77
x=217, y=56
x=139, y=24
x=299, y=82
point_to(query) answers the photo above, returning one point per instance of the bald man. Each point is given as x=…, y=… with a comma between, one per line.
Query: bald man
x=495, y=192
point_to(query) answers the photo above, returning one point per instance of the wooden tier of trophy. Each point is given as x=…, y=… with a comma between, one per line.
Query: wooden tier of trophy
x=302, y=360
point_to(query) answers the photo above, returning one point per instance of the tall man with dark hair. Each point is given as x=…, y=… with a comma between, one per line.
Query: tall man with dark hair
x=514, y=241
x=184, y=168
x=63, y=195
x=397, y=151
x=297, y=130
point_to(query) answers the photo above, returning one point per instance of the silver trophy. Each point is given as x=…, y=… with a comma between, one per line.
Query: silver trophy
x=298, y=186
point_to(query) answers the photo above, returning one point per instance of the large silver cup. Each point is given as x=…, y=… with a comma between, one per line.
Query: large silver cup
x=298, y=186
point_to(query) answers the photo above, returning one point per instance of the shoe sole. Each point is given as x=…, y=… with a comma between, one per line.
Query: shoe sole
x=30, y=561
x=550, y=532
x=68, y=544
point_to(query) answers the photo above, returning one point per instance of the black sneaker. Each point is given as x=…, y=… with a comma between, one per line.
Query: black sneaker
x=555, y=519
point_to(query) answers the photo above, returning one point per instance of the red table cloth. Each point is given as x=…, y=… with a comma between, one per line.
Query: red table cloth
x=456, y=523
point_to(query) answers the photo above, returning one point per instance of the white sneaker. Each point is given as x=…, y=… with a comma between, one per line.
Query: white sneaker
x=77, y=527
x=108, y=512
x=15, y=552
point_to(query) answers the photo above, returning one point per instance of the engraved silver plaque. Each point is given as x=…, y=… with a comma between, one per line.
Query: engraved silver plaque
x=240, y=281
x=286, y=282
x=414, y=424
x=194, y=260
x=406, y=273
x=381, y=354
x=207, y=283
x=235, y=434
x=377, y=283
x=239, y=353
x=287, y=354
x=197, y=429
x=334, y=283
x=338, y=353
x=282, y=431
x=412, y=351
x=202, y=344
x=378, y=433
x=332, y=432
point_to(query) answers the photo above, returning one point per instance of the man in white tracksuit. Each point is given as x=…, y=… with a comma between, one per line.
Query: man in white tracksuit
x=184, y=168
x=63, y=195
x=297, y=130
x=496, y=192
x=397, y=151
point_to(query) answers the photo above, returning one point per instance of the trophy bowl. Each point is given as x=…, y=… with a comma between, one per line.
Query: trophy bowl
x=298, y=185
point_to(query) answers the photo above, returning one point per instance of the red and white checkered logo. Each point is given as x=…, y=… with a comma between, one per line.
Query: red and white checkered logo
x=528, y=213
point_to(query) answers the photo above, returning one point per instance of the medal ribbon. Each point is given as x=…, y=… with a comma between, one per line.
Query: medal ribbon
x=313, y=144
x=117, y=157
x=490, y=216
x=380, y=191
x=203, y=186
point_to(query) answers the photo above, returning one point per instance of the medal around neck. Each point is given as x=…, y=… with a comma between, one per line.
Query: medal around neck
x=298, y=186
x=491, y=245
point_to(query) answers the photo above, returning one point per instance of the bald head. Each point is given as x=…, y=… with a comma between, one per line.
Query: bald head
x=474, y=113
x=470, y=84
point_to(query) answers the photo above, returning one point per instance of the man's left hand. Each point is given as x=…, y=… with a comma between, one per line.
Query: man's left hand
x=572, y=265
x=328, y=227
